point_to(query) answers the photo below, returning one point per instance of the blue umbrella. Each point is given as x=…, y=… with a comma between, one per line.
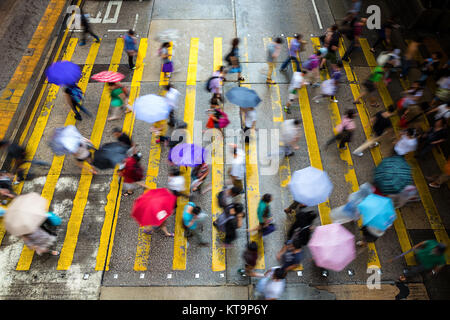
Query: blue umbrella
x=243, y=97
x=189, y=155
x=63, y=73
x=377, y=212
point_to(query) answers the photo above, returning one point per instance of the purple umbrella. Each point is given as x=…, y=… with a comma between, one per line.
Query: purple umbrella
x=332, y=247
x=63, y=73
x=186, y=154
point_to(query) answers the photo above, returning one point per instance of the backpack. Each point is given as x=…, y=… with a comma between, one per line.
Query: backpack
x=307, y=65
x=76, y=93
x=222, y=219
x=208, y=83
x=223, y=121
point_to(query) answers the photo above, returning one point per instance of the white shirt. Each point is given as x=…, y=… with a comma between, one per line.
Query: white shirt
x=274, y=289
x=289, y=131
x=238, y=165
x=443, y=112
x=172, y=98
x=250, y=117
x=176, y=183
x=296, y=82
x=405, y=145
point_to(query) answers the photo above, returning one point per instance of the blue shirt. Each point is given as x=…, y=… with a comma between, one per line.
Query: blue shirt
x=295, y=47
x=129, y=43
x=187, y=217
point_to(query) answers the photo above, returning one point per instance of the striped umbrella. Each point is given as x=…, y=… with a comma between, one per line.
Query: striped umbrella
x=108, y=76
x=392, y=175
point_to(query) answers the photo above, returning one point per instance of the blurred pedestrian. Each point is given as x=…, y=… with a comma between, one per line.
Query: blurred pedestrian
x=437, y=181
x=370, y=87
x=217, y=117
x=6, y=190
x=370, y=235
x=265, y=217
x=237, y=170
x=273, y=51
x=159, y=129
x=430, y=67
x=406, y=143
x=172, y=96
x=176, y=183
x=119, y=100
x=310, y=69
x=198, y=175
x=384, y=35
x=86, y=27
x=441, y=112
x=290, y=135
x=40, y=241
x=328, y=89
x=84, y=154
x=410, y=97
x=232, y=59
x=302, y=226
x=409, y=55
x=331, y=43
x=435, y=136
x=393, y=63
x=167, y=65
x=297, y=82
x=16, y=153
x=291, y=255
x=272, y=285
x=430, y=255
x=233, y=216
x=192, y=222
x=381, y=125
x=132, y=173
x=353, y=35
x=226, y=196
x=74, y=97
x=249, y=122
x=130, y=42
x=344, y=130
x=215, y=82
x=125, y=139
x=442, y=93
x=250, y=257
x=296, y=45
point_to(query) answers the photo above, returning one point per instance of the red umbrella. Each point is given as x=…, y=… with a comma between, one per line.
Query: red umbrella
x=153, y=207
x=108, y=76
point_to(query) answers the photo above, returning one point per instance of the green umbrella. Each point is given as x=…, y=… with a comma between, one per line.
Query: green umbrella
x=392, y=175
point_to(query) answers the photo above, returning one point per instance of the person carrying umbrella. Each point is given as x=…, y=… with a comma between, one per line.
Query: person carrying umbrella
x=74, y=97
x=25, y=217
x=431, y=257
x=119, y=99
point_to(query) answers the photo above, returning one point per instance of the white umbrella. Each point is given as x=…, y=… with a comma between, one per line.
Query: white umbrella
x=310, y=186
x=151, y=108
x=25, y=214
x=65, y=140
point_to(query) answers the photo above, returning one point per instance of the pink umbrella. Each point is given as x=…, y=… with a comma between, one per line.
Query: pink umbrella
x=108, y=76
x=332, y=247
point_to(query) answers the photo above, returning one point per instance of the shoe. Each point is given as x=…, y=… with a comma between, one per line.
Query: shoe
x=290, y=154
x=82, y=43
x=433, y=185
x=78, y=117
x=315, y=85
x=241, y=79
x=316, y=101
x=287, y=110
x=359, y=154
x=376, y=144
x=335, y=101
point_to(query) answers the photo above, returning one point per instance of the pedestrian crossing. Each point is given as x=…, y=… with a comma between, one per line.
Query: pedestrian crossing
x=70, y=230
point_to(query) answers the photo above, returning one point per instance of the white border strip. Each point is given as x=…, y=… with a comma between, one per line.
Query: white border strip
x=317, y=14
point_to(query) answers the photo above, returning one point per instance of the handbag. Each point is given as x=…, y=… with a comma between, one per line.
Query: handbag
x=268, y=230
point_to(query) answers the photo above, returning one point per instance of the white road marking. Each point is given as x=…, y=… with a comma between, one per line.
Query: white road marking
x=142, y=275
x=169, y=276
x=197, y=275
x=135, y=21
x=317, y=14
x=117, y=30
x=97, y=19
x=106, y=18
x=299, y=273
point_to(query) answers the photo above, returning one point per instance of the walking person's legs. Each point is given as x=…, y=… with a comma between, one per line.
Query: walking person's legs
x=270, y=65
x=285, y=64
x=367, y=144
